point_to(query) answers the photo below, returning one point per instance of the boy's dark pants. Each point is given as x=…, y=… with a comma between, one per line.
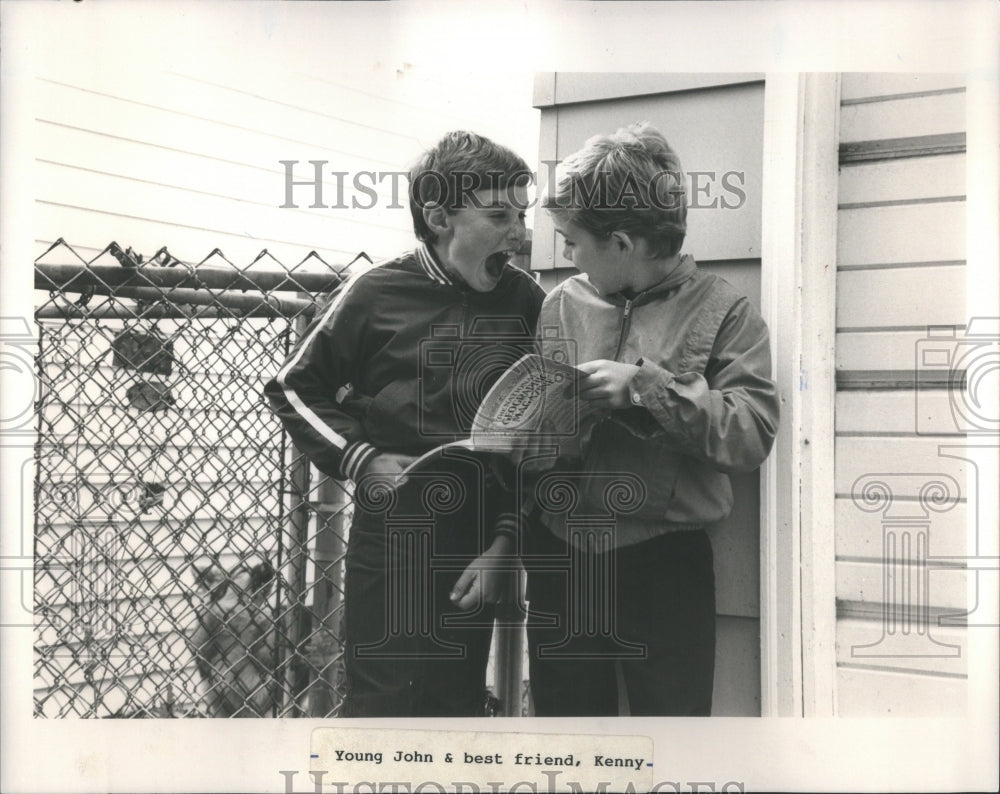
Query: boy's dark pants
x=658, y=623
x=400, y=658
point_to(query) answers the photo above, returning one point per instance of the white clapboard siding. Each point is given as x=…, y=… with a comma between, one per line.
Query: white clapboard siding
x=97, y=228
x=902, y=411
x=196, y=142
x=865, y=582
x=903, y=118
x=212, y=135
x=908, y=179
x=327, y=127
x=874, y=86
x=879, y=693
x=900, y=254
x=940, y=649
x=100, y=152
x=396, y=124
x=219, y=220
x=933, y=232
x=859, y=533
x=858, y=456
x=910, y=297
x=211, y=183
x=249, y=215
x=878, y=85
x=884, y=350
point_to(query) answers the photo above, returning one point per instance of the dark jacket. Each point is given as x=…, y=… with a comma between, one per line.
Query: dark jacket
x=398, y=360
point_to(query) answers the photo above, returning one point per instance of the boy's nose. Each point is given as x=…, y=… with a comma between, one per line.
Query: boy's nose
x=518, y=232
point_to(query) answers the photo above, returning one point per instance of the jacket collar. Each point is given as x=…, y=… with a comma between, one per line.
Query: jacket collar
x=684, y=270
x=429, y=264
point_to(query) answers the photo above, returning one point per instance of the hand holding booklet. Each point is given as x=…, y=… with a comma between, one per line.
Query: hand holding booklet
x=533, y=406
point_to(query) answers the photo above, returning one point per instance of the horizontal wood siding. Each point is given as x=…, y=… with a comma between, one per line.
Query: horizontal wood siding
x=191, y=159
x=909, y=234
x=903, y=117
x=879, y=693
x=901, y=578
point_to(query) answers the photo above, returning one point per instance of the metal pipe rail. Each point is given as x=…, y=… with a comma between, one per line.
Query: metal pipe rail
x=76, y=276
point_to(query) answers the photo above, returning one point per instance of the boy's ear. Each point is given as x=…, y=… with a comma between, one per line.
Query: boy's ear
x=436, y=218
x=623, y=242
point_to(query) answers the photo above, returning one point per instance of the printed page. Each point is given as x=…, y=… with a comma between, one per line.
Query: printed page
x=534, y=403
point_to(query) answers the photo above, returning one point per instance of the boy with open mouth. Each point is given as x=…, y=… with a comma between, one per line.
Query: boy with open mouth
x=392, y=367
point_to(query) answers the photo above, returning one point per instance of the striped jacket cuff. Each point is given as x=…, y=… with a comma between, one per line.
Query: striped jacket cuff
x=356, y=456
x=506, y=524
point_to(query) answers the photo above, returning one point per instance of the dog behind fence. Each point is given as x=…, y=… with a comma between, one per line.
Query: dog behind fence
x=233, y=637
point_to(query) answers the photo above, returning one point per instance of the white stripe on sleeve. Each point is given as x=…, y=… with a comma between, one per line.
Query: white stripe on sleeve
x=294, y=400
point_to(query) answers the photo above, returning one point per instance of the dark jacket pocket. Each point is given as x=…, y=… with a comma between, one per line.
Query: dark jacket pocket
x=391, y=420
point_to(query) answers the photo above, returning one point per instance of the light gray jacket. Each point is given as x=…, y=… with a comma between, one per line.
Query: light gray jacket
x=704, y=403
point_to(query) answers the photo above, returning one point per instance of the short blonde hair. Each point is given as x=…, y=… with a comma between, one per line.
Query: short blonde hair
x=631, y=181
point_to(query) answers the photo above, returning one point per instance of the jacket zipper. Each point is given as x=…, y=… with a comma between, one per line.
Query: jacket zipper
x=623, y=330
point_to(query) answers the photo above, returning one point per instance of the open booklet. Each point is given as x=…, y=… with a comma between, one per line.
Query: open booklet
x=534, y=405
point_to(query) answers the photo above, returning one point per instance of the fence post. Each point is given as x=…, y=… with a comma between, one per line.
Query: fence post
x=295, y=618
x=509, y=639
x=328, y=595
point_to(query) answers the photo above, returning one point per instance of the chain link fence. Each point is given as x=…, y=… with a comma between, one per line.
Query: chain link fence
x=187, y=560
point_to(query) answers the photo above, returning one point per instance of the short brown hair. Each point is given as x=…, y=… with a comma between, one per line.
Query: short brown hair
x=457, y=164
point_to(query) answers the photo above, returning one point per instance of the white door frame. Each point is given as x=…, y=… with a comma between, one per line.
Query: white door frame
x=798, y=271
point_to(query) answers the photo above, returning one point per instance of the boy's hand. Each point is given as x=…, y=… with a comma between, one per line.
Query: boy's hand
x=487, y=578
x=381, y=473
x=606, y=382
x=388, y=464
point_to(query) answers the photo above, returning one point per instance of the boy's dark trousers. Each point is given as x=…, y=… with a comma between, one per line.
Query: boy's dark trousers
x=657, y=621
x=409, y=652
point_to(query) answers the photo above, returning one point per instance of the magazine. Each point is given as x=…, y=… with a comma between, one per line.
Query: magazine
x=533, y=406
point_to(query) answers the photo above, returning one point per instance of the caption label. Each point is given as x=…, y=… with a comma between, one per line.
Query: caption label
x=483, y=761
